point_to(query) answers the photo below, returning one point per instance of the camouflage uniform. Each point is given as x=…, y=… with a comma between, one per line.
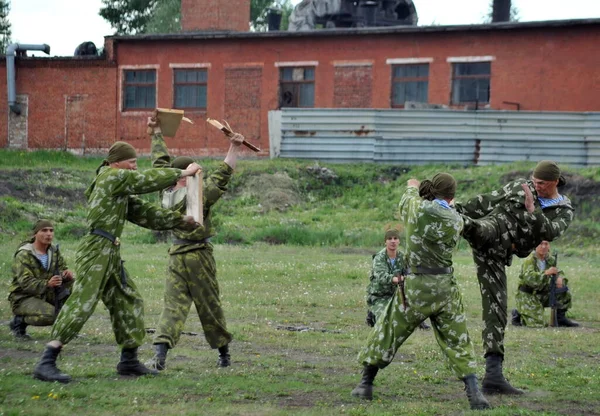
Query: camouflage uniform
x=98, y=265
x=497, y=227
x=380, y=288
x=192, y=271
x=532, y=279
x=432, y=234
x=30, y=295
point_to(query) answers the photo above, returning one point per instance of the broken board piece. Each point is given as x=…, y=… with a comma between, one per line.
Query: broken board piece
x=169, y=120
x=194, y=196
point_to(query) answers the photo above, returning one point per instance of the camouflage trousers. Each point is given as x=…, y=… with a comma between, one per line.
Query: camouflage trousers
x=37, y=312
x=98, y=270
x=192, y=278
x=435, y=297
x=531, y=305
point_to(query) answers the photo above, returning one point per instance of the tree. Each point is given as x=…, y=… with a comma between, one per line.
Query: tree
x=5, y=31
x=129, y=17
x=514, y=13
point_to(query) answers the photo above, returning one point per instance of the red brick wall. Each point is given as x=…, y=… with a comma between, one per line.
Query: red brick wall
x=215, y=15
x=352, y=86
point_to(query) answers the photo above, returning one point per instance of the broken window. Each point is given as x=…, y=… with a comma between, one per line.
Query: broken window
x=471, y=83
x=410, y=83
x=139, y=89
x=297, y=87
x=190, y=88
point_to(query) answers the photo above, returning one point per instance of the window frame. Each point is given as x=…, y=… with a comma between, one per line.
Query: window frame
x=176, y=84
x=406, y=80
x=456, y=78
x=126, y=84
x=297, y=83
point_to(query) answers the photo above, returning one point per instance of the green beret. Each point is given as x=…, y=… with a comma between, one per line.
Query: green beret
x=392, y=233
x=182, y=162
x=41, y=224
x=547, y=170
x=120, y=151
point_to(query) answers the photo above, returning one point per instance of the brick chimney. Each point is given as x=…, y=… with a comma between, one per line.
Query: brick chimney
x=199, y=15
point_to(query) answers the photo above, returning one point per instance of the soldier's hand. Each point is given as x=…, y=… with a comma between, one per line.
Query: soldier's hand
x=413, y=183
x=55, y=281
x=559, y=282
x=552, y=270
x=529, y=206
x=189, y=223
x=67, y=275
x=154, y=123
x=236, y=139
x=191, y=169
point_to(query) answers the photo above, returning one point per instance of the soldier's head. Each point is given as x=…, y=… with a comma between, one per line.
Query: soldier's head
x=542, y=249
x=441, y=186
x=43, y=232
x=122, y=155
x=547, y=178
x=392, y=238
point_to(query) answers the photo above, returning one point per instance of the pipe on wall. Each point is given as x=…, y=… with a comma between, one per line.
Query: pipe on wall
x=10, y=71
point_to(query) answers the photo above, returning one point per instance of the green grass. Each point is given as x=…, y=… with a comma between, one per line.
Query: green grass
x=279, y=372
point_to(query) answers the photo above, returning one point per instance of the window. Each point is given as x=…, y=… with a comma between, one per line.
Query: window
x=471, y=82
x=139, y=89
x=297, y=87
x=190, y=88
x=409, y=83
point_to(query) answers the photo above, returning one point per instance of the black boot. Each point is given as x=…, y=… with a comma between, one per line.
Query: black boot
x=46, y=369
x=516, y=318
x=494, y=381
x=224, y=357
x=476, y=399
x=423, y=325
x=18, y=327
x=158, y=362
x=364, y=390
x=562, y=320
x=370, y=320
x=131, y=366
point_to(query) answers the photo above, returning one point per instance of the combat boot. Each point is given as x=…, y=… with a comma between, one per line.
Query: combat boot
x=131, y=366
x=159, y=361
x=364, y=390
x=18, y=328
x=476, y=399
x=493, y=380
x=46, y=369
x=562, y=320
x=224, y=357
x=423, y=325
x=516, y=318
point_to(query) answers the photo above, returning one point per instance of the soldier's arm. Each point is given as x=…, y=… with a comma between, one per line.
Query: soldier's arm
x=150, y=216
x=132, y=182
x=26, y=277
x=531, y=277
x=215, y=185
x=408, y=203
x=550, y=229
x=159, y=153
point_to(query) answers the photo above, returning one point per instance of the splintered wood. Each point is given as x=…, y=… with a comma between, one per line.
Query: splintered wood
x=194, y=197
x=227, y=130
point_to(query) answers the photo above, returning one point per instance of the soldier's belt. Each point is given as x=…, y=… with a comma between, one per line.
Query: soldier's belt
x=431, y=270
x=182, y=241
x=113, y=239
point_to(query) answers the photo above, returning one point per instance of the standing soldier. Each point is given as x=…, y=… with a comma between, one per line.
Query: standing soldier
x=533, y=293
x=41, y=281
x=432, y=232
x=498, y=225
x=192, y=270
x=100, y=273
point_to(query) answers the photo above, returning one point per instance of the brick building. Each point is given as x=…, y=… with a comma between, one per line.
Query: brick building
x=86, y=103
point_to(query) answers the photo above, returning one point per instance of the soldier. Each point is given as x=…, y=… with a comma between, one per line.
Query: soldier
x=534, y=290
x=388, y=265
x=433, y=230
x=41, y=281
x=100, y=273
x=498, y=225
x=192, y=273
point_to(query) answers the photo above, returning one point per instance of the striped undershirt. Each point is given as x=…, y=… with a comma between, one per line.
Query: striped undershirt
x=547, y=202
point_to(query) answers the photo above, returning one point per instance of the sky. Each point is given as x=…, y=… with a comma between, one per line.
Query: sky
x=64, y=24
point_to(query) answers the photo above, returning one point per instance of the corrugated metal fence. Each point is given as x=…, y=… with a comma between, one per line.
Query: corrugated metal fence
x=435, y=136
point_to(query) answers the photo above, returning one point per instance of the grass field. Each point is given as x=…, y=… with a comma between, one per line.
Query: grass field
x=269, y=290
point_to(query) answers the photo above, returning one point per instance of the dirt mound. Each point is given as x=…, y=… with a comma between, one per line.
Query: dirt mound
x=275, y=191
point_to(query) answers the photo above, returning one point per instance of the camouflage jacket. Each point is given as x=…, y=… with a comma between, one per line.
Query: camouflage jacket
x=214, y=186
x=534, y=278
x=111, y=200
x=382, y=272
x=432, y=231
x=30, y=278
x=528, y=230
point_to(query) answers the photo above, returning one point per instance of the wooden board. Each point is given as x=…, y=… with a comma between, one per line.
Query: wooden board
x=169, y=120
x=194, y=200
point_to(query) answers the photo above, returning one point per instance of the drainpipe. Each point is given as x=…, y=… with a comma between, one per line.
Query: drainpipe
x=10, y=71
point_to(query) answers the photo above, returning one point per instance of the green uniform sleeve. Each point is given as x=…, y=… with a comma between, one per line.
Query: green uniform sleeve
x=150, y=216
x=381, y=280
x=160, y=153
x=531, y=276
x=409, y=203
x=548, y=227
x=216, y=184
x=132, y=182
x=25, y=274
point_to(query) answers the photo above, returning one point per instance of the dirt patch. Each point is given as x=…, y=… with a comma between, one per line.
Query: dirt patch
x=275, y=191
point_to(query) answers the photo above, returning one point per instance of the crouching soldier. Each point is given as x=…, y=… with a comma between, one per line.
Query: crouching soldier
x=41, y=281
